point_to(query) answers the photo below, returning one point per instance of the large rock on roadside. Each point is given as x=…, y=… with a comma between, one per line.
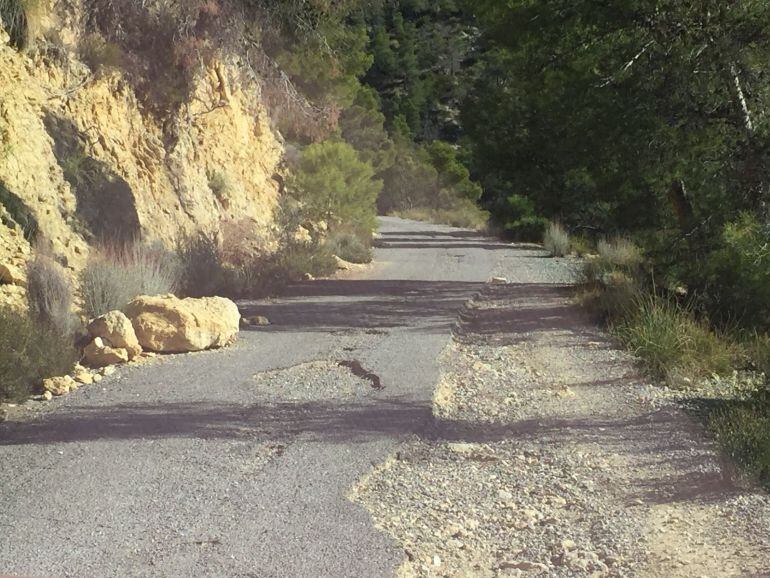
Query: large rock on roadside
x=116, y=330
x=167, y=324
x=99, y=354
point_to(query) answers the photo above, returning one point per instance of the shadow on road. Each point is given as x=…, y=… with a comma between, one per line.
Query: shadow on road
x=358, y=422
x=422, y=306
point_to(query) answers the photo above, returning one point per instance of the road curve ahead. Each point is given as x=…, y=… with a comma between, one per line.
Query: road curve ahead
x=239, y=462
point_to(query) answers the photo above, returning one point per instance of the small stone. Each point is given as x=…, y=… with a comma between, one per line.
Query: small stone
x=82, y=375
x=525, y=565
x=462, y=448
x=98, y=377
x=498, y=281
x=558, y=501
x=47, y=396
x=99, y=354
x=436, y=560
x=255, y=321
x=568, y=545
x=107, y=371
x=59, y=385
x=504, y=495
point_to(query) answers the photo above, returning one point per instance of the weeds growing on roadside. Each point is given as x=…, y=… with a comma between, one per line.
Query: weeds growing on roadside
x=465, y=215
x=30, y=352
x=556, y=240
x=349, y=247
x=743, y=430
x=673, y=345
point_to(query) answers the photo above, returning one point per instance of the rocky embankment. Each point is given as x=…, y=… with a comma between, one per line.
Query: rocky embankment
x=84, y=157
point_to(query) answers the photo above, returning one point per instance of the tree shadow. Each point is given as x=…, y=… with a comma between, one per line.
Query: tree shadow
x=642, y=438
x=329, y=305
x=105, y=201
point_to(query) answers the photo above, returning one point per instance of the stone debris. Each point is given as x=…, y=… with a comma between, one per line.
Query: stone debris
x=58, y=386
x=116, y=331
x=98, y=354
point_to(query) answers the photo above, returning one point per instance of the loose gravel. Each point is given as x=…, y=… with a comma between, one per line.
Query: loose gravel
x=551, y=456
x=316, y=381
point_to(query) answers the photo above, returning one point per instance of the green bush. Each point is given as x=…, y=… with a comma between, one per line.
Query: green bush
x=222, y=187
x=49, y=296
x=556, y=240
x=114, y=276
x=743, y=430
x=203, y=270
x=29, y=353
x=350, y=247
x=336, y=186
x=529, y=229
x=671, y=344
x=737, y=284
x=519, y=220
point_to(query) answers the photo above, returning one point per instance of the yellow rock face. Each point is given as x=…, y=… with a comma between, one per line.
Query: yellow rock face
x=61, y=125
x=167, y=324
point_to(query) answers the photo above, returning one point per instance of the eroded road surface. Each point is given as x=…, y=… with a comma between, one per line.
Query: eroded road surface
x=240, y=462
x=487, y=430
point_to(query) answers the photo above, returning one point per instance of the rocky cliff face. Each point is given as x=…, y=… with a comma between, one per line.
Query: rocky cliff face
x=81, y=160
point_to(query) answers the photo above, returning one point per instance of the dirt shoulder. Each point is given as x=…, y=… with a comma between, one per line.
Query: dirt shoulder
x=551, y=456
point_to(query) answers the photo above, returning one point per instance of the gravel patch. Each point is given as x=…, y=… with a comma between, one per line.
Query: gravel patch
x=500, y=509
x=316, y=381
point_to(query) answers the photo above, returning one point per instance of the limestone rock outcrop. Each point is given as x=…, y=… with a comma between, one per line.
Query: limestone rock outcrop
x=167, y=324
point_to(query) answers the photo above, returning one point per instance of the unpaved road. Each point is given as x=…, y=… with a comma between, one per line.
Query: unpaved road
x=192, y=466
x=547, y=454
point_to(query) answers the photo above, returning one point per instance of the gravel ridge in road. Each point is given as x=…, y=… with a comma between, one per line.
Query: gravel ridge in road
x=551, y=456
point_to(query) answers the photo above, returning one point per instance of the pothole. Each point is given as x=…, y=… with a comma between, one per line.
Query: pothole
x=317, y=381
x=358, y=370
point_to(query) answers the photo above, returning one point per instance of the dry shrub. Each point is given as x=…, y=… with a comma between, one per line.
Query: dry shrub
x=116, y=275
x=556, y=240
x=49, y=296
x=202, y=265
